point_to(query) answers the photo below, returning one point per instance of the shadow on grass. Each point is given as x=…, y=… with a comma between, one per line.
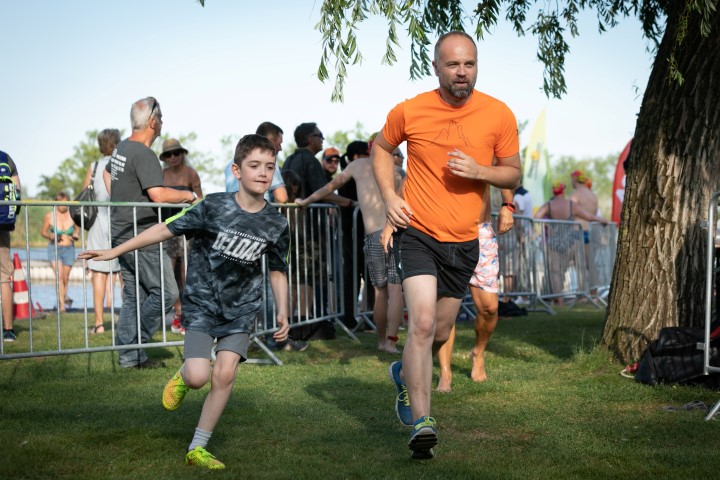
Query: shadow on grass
x=558, y=335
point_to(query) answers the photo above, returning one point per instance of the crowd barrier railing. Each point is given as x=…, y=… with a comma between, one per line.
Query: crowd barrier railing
x=362, y=307
x=712, y=283
x=600, y=252
x=560, y=260
x=314, y=286
x=539, y=260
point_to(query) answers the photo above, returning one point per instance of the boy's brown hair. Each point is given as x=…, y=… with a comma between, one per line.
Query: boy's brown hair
x=250, y=142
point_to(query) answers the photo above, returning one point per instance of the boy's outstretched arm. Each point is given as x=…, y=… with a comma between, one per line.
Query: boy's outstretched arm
x=155, y=234
x=279, y=285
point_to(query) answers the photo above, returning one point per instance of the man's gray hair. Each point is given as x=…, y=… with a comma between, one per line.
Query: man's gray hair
x=142, y=111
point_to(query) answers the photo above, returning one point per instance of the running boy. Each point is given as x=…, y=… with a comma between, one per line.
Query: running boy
x=224, y=282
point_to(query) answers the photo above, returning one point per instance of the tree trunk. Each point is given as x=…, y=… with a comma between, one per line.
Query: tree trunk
x=673, y=168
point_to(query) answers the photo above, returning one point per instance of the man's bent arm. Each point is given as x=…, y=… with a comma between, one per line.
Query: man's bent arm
x=169, y=195
x=396, y=210
x=505, y=174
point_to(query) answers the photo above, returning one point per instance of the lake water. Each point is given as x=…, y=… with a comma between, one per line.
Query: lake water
x=44, y=292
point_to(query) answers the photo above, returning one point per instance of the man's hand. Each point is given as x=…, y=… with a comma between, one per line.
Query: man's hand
x=97, y=255
x=301, y=202
x=464, y=165
x=282, y=333
x=386, y=237
x=505, y=220
x=398, y=212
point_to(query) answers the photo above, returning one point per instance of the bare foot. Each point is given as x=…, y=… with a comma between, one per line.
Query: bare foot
x=444, y=383
x=388, y=348
x=478, y=369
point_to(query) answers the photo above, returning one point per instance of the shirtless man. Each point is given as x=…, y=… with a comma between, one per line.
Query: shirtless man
x=584, y=197
x=387, y=311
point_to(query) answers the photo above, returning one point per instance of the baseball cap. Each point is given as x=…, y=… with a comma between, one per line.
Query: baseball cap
x=330, y=153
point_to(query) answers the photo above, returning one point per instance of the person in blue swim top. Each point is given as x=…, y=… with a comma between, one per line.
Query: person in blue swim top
x=59, y=228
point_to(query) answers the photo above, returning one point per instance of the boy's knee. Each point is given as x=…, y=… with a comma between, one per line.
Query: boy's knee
x=223, y=377
x=195, y=380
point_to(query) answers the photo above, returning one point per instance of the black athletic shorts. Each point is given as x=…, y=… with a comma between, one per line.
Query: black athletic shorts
x=452, y=263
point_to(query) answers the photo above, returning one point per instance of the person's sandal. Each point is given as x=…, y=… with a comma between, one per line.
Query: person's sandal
x=97, y=329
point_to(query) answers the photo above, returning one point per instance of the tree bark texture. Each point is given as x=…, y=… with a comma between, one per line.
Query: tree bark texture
x=673, y=169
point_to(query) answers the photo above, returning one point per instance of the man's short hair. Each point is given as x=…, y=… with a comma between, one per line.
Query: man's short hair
x=268, y=128
x=303, y=132
x=452, y=34
x=251, y=142
x=358, y=147
x=62, y=195
x=108, y=140
x=142, y=111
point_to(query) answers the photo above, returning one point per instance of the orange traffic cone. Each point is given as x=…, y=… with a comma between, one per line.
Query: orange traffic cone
x=21, y=298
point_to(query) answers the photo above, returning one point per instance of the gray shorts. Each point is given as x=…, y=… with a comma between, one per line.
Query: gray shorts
x=382, y=268
x=199, y=344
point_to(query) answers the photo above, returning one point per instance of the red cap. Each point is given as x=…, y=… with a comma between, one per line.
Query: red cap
x=558, y=188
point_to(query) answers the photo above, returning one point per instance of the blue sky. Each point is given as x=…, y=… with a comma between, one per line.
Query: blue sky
x=77, y=65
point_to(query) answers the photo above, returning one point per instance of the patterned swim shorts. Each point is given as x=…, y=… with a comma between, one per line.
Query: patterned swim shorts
x=486, y=272
x=382, y=267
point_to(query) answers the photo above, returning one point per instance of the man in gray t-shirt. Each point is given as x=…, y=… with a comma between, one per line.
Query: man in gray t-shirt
x=133, y=174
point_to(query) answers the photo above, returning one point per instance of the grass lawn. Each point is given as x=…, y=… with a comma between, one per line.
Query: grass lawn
x=554, y=407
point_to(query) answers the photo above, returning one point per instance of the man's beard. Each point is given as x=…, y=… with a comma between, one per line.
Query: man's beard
x=461, y=92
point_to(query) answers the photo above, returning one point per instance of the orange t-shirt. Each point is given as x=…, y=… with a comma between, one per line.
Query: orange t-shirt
x=445, y=206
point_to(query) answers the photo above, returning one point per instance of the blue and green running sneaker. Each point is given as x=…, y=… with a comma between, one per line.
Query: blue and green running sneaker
x=200, y=457
x=402, y=402
x=423, y=438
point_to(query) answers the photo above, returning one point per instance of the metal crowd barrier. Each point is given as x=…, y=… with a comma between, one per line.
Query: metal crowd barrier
x=362, y=310
x=315, y=280
x=539, y=260
x=601, y=251
x=517, y=259
x=315, y=288
x=712, y=283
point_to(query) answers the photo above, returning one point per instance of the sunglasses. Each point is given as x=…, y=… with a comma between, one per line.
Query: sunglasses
x=152, y=110
x=332, y=160
x=319, y=135
x=174, y=153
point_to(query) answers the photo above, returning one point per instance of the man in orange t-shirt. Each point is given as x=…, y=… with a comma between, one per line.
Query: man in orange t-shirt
x=452, y=134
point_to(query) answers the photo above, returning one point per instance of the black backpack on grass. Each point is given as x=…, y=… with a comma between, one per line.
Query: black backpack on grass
x=675, y=358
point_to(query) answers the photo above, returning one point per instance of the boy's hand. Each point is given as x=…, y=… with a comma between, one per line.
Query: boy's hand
x=97, y=255
x=283, y=328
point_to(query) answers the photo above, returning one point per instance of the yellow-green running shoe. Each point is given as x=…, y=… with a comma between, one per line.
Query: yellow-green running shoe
x=202, y=458
x=174, y=392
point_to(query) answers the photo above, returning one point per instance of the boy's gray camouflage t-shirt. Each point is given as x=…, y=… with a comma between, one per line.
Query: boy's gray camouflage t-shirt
x=223, y=287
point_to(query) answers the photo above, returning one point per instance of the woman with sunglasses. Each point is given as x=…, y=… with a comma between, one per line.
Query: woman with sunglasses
x=178, y=175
